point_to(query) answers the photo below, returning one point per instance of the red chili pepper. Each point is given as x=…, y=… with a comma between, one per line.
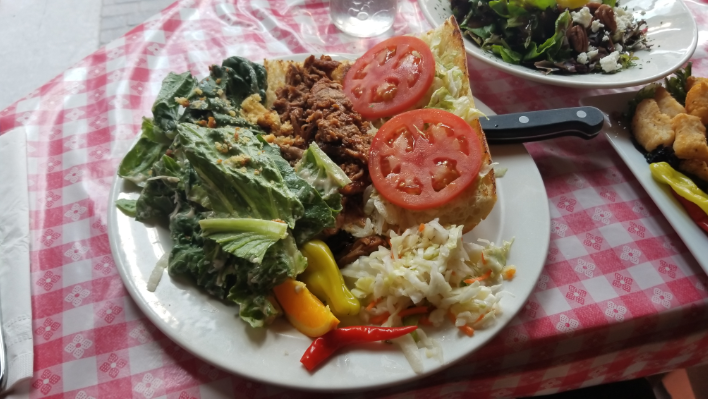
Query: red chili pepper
x=694, y=211
x=324, y=346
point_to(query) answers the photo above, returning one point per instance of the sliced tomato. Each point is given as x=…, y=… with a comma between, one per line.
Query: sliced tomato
x=391, y=77
x=424, y=158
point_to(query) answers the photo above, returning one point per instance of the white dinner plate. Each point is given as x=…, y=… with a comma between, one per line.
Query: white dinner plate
x=212, y=331
x=695, y=239
x=672, y=34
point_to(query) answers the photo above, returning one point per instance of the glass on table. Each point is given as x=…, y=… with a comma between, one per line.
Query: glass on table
x=363, y=18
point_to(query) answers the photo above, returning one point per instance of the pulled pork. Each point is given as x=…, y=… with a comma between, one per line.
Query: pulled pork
x=347, y=249
x=313, y=108
x=317, y=109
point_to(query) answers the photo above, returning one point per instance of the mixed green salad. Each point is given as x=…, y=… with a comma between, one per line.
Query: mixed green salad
x=236, y=210
x=554, y=36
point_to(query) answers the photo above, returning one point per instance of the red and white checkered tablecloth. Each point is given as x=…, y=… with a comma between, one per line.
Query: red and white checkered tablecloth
x=620, y=296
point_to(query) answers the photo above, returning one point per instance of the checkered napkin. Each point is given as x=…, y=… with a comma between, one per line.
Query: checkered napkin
x=15, y=300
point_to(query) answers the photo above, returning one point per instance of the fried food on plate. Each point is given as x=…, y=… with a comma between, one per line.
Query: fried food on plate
x=692, y=80
x=667, y=104
x=690, y=142
x=695, y=167
x=651, y=127
x=697, y=100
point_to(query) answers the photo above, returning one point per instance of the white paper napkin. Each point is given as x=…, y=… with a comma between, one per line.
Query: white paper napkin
x=15, y=297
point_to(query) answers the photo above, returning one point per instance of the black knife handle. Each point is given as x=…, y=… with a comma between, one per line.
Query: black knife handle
x=522, y=127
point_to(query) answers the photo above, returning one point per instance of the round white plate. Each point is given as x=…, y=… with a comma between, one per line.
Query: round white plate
x=672, y=34
x=212, y=331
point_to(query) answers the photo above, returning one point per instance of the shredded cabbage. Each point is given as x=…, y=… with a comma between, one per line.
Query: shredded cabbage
x=428, y=266
x=449, y=81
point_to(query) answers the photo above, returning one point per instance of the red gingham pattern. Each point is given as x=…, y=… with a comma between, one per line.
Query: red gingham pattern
x=620, y=297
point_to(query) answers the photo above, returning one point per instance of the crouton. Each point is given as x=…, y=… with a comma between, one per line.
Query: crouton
x=667, y=104
x=697, y=101
x=690, y=142
x=651, y=127
x=254, y=112
x=695, y=167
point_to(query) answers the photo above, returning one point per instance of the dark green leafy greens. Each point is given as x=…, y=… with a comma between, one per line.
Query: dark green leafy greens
x=676, y=85
x=537, y=34
x=236, y=209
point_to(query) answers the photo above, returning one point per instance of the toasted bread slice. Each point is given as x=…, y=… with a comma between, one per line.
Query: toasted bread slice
x=477, y=201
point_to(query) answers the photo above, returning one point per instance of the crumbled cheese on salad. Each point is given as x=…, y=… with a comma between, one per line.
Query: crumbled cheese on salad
x=592, y=53
x=596, y=25
x=609, y=63
x=582, y=17
x=582, y=58
x=618, y=48
x=605, y=38
x=623, y=18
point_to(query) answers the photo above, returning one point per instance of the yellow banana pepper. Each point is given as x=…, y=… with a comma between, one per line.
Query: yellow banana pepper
x=323, y=278
x=682, y=185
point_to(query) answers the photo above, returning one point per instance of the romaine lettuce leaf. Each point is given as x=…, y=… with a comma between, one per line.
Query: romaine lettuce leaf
x=318, y=213
x=221, y=93
x=320, y=172
x=239, y=178
x=136, y=164
x=165, y=110
x=244, y=238
x=253, y=282
x=126, y=206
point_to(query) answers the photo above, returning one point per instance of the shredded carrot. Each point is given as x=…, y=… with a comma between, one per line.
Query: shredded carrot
x=467, y=330
x=451, y=316
x=372, y=304
x=509, y=272
x=484, y=261
x=425, y=321
x=415, y=310
x=380, y=319
x=480, y=278
x=479, y=318
x=421, y=227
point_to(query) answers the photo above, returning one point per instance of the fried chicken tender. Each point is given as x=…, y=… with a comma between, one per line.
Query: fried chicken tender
x=651, y=127
x=667, y=104
x=692, y=80
x=697, y=100
x=695, y=167
x=690, y=140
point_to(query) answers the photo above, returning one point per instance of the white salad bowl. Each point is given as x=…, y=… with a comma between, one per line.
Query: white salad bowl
x=672, y=34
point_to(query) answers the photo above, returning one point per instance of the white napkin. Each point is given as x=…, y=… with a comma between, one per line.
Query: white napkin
x=15, y=296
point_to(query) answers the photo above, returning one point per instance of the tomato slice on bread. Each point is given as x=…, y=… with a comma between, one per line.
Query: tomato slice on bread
x=391, y=77
x=424, y=158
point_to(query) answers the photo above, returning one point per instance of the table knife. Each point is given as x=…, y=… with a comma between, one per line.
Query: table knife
x=522, y=127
